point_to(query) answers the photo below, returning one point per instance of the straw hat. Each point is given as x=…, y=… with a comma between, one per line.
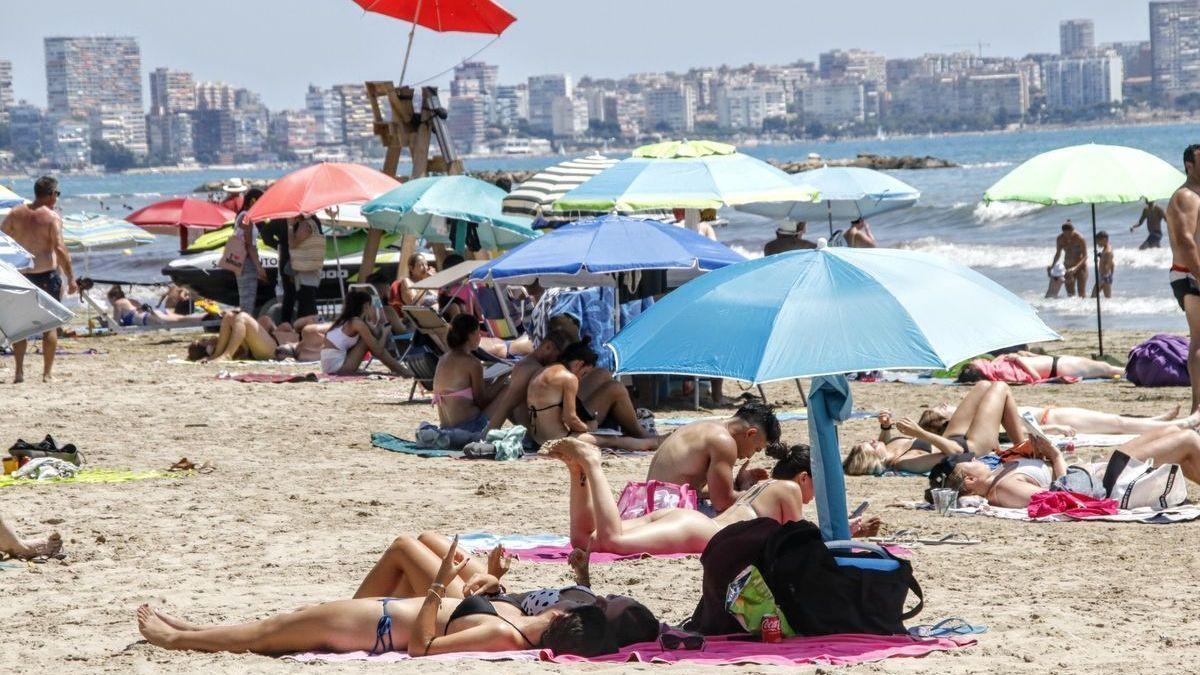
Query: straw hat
x=235, y=186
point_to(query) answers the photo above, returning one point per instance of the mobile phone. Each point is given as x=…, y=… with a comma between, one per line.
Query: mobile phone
x=862, y=508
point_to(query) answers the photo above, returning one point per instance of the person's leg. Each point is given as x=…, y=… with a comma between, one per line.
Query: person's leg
x=439, y=545
x=306, y=299
x=1069, y=282
x=405, y=570
x=960, y=421
x=237, y=334
x=1191, y=309
x=354, y=358
x=14, y=546
x=287, y=307
x=1168, y=446
x=1054, y=288
x=49, y=349
x=1077, y=366
x=1081, y=279
x=1096, y=422
x=19, y=348
x=612, y=398
x=582, y=516
x=619, y=442
x=984, y=433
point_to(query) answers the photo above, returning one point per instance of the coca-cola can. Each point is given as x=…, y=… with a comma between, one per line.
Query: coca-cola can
x=771, y=630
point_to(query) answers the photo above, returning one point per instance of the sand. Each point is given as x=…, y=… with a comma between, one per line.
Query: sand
x=301, y=505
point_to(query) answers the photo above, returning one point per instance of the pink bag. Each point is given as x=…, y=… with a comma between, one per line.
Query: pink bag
x=640, y=498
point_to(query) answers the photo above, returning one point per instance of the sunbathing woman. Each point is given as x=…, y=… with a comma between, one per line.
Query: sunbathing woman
x=1013, y=484
x=433, y=624
x=128, y=313
x=459, y=391
x=556, y=408
x=1071, y=421
x=350, y=338
x=974, y=427
x=241, y=337
x=1030, y=368
x=596, y=524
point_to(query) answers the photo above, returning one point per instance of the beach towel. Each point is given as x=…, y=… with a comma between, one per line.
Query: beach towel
x=392, y=443
x=1069, y=504
x=541, y=548
x=798, y=415
x=835, y=650
x=92, y=476
x=529, y=655
x=1144, y=515
x=281, y=378
x=1160, y=361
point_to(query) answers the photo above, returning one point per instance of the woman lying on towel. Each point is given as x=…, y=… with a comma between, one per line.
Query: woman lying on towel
x=596, y=523
x=1031, y=368
x=129, y=313
x=1070, y=421
x=351, y=336
x=420, y=626
x=1013, y=484
x=973, y=427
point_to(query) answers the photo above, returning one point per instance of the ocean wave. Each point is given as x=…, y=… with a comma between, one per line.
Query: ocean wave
x=986, y=165
x=1029, y=257
x=742, y=250
x=1138, y=305
x=997, y=211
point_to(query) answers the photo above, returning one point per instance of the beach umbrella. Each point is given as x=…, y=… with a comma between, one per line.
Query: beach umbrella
x=420, y=207
x=536, y=195
x=825, y=312
x=13, y=253
x=443, y=16
x=25, y=309
x=178, y=215
x=684, y=175
x=9, y=199
x=88, y=232
x=1088, y=174
x=847, y=194
x=320, y=186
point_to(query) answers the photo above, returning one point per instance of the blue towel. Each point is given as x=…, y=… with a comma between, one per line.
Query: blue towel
x=792, y=416
x=396, y=444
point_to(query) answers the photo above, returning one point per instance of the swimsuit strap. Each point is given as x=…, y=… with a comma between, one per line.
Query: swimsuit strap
x=519, y=631
x=383, y=631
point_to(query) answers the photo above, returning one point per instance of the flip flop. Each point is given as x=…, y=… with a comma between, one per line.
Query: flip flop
x=946, y=628
x=953, y=538
x=183, y=464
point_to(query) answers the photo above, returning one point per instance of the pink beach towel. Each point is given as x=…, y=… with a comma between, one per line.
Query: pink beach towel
x=836, y=650
x=395, y=657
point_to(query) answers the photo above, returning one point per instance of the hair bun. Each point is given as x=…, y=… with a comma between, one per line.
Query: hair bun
x=778, y=451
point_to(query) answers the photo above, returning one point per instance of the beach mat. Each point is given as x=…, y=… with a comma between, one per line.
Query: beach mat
x=92, y=476
x=527, y=655
x=541, y=548
x=925, y=380
x=392, y=443
x=1146, y=515
x=798, y=415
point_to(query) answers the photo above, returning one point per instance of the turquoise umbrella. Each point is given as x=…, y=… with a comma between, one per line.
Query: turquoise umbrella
x=410, y=209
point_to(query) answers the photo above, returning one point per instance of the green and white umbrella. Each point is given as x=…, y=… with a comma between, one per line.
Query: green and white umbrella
x=1088, y=174
x=86, y=232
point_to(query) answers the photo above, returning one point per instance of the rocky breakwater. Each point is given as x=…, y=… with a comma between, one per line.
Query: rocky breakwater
x=868, y=161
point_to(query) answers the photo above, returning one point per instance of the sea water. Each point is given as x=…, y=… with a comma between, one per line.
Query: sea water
x=1010, y=243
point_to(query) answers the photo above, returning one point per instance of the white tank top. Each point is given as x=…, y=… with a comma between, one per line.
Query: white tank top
x=340, y=340
x=1036, y=469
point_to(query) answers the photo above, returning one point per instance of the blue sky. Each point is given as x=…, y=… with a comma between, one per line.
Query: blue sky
x=277, y=47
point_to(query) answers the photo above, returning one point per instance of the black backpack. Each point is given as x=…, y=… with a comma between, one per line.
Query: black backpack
x=731, y=550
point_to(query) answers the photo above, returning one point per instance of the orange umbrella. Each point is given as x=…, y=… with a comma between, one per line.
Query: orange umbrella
x=318, y=187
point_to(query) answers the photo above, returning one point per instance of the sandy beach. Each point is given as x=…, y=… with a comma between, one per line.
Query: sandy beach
x=300, y=506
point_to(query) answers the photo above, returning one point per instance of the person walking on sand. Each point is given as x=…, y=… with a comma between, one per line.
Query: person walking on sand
x=39, y=229
x=1152, y=216
x=1072, y=248
x=1107, y=265
x=1185, y=259
x=858, y=235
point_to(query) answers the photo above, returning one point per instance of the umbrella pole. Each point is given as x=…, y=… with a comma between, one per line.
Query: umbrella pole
x=337, y=257
x=411, y=34
x=1096, y=276
x=829, y=205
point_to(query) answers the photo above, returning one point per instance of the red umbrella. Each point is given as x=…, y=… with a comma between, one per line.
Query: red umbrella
x=182, y=212
x=320, y=186
x=443, y=16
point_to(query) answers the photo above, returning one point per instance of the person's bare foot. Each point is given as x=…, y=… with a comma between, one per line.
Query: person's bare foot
x=575, y=450
x=645, y=444
x=1191, y=421
x=38, y=548
x=154, y=629
x=1174, y=414
x=46, y=377
x=550, y=450
x=18, y=377
x=578, y=560
x=174, y=621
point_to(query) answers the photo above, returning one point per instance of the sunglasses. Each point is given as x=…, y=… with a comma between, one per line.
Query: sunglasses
x=681, y=641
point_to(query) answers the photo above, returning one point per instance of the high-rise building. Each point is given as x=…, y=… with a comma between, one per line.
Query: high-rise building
x=512, y=105
x=568, y=117
x=358, y=118
x=1175, y=48
x=26, y=131
x=215, y=96
x=294, y=132
x=84, y=73
x=1076, y=37
x=1003, y=96
x=748, y=107
x=474, y=77
x=834, y=102
x=213, y=135
x=171, y=91
x=119, y=125
x=543, y=90
x=326, y=108
x=6, y=90
x=853, y=64
x=1079, y=84
x=68, y=144
x=1135, y=56
x=169, y=138
x=670, y=108
x=467, y=121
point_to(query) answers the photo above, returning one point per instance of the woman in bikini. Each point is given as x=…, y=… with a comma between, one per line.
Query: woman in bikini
x=1030, y=368
x=974, y=427
x=350, y=337
x=1070, y=421
x=431, y=624
x=596, y=523
x=459, y=391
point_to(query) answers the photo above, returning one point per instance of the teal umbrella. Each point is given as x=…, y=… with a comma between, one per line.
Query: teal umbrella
x=412, y=207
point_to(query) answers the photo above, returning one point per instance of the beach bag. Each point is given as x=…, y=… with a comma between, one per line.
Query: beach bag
x=309, y=255
x=640, y=498
x=1141, y=485
x=727, y=554
x=840, y=587
x=234, y=253
x=1160, y=361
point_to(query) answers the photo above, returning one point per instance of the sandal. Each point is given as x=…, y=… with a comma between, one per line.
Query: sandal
x=946, y=628
x=182, y=465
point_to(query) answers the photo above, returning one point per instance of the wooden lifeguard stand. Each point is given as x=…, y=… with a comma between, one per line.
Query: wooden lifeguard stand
x=401, y=126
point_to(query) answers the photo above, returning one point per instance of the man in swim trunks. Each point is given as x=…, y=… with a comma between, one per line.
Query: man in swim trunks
x=38, y=229
x=1072, y=247
x=702, y=454
x=1152, y=216
x=1106, y=266
x=1185, y=258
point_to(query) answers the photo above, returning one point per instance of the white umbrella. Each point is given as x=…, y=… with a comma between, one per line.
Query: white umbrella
x=25, y=309
x=13, y=253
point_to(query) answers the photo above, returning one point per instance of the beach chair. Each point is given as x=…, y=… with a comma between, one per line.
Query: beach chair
x=430, y=344
x=116, y=328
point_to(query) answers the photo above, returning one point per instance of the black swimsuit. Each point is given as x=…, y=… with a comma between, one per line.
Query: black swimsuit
x=476, y=605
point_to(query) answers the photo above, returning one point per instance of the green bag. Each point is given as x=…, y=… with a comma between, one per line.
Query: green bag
x=749, y=600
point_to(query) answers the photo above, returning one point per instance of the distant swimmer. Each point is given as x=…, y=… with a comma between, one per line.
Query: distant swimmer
x=789, y=239
x=858, y=235
x=1185, y=258
x=1152, y=216
x=1106, y=267
x=1072, y=248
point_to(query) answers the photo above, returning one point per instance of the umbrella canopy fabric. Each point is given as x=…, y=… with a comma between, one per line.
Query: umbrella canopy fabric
x=445, y=16
x=25, y=309
x=536, y=195
x=680, y=149
x=826, y=311
x=1088, y=174
x=410, y=209
x=588, y=252
x=13, y=253
x=9, y=199
x=87, y=232
x=705, y=182
x=182, y=212
x=847, y=193
x=320, y=186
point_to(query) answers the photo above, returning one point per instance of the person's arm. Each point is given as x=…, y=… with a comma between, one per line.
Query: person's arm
x=7, y=227
x=570, y=418
x=248, y=239
x=1181, y=223
x=867, y=238
x=423, y=633
x=1052, y=456
x=1024, y=365
x=302, y=232
x=1058, y=250
x=1015, y=493
x=1144, y=218
x=721, y=456
x=269, y=232
x=62, y=255
x=887, y=428
x=943, y=445
x=479, y=390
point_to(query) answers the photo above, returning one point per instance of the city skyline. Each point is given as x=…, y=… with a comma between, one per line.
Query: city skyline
x=185, y=39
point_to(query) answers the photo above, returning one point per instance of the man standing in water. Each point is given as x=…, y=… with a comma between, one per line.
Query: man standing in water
x=1185, y=259
x=1072, y=247
x=859, y=235
x=1152, y=216
x=39, y=229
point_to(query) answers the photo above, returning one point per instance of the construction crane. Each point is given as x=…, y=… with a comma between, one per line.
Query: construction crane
x=973, y=45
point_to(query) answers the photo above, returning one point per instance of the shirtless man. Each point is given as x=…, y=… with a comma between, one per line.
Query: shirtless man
x=511, y=402
x=1107, y=266
x=1072, y=248
x=39, y=229
x=788, y=240
x=858, y=235
x=1152, y=216
x=1185, y=258
x=702, y=454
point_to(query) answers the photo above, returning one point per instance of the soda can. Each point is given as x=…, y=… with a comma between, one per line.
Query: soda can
x=771, y=630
